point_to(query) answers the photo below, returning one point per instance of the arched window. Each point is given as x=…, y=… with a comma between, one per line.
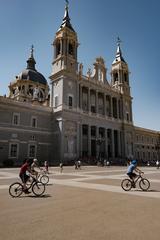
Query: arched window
x=71, y=49
x=125, y=77
x=58, y=48
x=115, y=77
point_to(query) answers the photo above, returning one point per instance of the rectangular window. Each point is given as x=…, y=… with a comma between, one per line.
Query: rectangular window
x=32, y=151
x=93, y=131
x=93, y=109
x=33, y=138
x=13, y=150
x=16, y=119
x=56, y=101
x=34, y=122
x=70, y=102
x=85, y=129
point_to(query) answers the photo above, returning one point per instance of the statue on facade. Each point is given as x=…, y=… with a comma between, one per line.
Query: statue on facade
x=36, y=93
x=16, y=90
x=89, y=73
x=80, y=69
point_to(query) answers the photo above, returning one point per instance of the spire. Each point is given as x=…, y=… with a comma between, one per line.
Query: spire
x=31, y=62
x=119, y=52
x=66, y=18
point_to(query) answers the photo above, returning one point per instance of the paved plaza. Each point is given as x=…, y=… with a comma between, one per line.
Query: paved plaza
x=86, y=204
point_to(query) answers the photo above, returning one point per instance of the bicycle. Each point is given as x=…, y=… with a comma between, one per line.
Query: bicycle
x=43, y=177
x=16, y=189
x=127, y=184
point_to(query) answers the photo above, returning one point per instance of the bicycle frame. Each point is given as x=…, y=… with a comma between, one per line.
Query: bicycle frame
x=137, y=178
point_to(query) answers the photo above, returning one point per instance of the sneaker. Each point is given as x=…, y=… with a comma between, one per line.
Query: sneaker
x=133, y=185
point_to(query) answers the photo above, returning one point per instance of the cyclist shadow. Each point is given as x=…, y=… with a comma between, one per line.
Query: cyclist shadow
x=33, y=196
x=150, y=190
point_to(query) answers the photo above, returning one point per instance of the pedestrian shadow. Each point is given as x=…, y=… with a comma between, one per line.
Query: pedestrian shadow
x=49, y=184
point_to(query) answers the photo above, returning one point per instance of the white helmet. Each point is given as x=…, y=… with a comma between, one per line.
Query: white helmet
x=35, y=160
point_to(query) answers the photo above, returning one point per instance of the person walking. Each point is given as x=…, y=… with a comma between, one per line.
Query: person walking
x=157, y=164
x=61, y=167
x=46, y=166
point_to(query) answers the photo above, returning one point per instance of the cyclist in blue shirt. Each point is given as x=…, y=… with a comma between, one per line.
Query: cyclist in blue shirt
x=133, y=167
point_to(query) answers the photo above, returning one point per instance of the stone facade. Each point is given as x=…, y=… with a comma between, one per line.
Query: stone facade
x=25, y=131
x=82, y=116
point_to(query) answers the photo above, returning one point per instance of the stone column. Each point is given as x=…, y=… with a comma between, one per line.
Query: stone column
x=61, y=143
x=112, y=143
x=52, y=95
x=77, y=106
x=130, y=105
x=106, y=144
x=54, y=49
x=61, y=46
x=104, y=104
x=111, y=107
x=80, y=97
x=89, y=140
x=117, y=108
x=78, y=139
x=97, y=137
x=89, y=102
x=119, y=143
x=96, y=102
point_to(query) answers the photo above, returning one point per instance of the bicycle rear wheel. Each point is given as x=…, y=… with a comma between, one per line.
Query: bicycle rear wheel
x=144, y=184
x=38, y=188
x=16, y=189
x=44, y=179
x=126, y=184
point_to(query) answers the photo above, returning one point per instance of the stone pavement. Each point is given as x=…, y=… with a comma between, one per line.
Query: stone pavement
x=82, y=204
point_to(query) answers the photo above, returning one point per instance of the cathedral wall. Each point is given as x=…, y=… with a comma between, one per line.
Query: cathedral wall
x=146, y=145
x=25, y=132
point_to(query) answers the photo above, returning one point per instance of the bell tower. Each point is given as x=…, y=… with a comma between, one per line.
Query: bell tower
x=65, y=46
x=120, y=82
x=120, y=72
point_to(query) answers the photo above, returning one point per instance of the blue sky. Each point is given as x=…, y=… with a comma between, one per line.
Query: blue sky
x=98, y=24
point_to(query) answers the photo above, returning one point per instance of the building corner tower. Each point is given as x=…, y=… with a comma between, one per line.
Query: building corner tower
x=64, y=89
x=120, y=82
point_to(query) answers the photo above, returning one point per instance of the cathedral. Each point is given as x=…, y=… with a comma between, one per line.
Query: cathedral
x=77, y=116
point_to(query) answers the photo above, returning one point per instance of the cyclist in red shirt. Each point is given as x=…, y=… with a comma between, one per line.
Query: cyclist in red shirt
x=24, y=177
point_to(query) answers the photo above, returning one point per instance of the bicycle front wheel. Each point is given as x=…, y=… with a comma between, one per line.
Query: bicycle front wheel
x=126, y=184
x=16, y=189
x=144, y=184
x=38, y=188
x=44, y=179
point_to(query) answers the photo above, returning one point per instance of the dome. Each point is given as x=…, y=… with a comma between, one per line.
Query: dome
x=32, y=75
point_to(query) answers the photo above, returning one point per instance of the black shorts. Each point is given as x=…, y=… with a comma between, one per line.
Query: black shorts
x=132, y=175
x=24, y=177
